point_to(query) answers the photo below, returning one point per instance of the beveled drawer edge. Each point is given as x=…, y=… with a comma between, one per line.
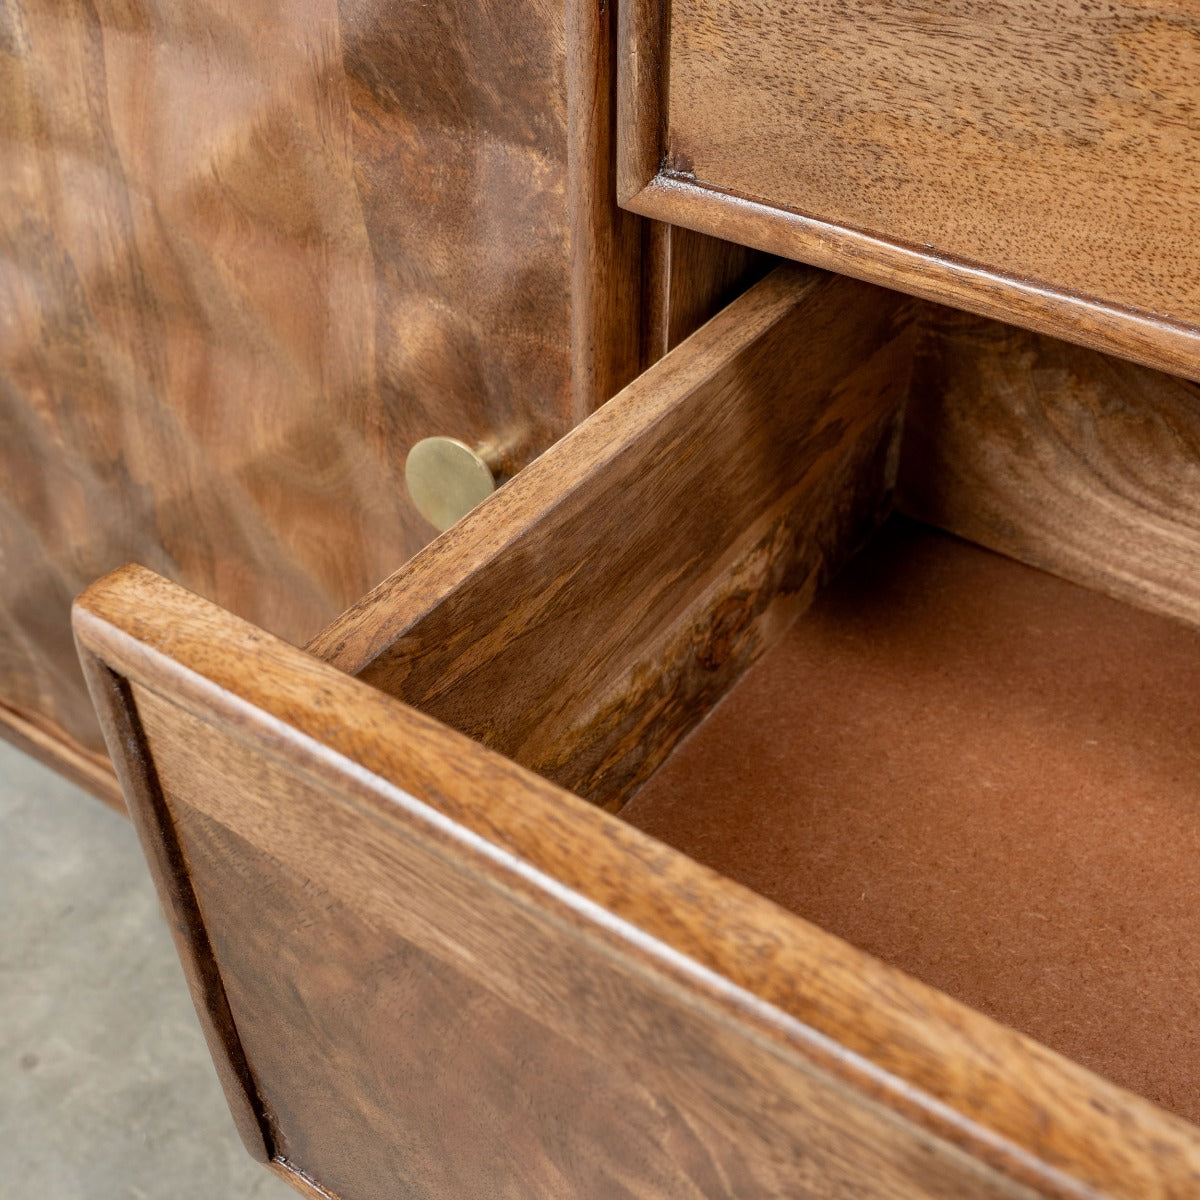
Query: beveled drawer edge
x=649, y=186
x=146, y=807
x=1042, y=1121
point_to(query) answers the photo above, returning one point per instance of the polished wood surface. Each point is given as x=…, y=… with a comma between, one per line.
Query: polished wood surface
x=388, y=869
x=627, y=577
x=1027, y=161
x=1075, y=462
x=248, y=254
x=983, y=775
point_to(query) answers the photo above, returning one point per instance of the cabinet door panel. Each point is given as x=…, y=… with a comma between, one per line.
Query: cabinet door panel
x=250, y=252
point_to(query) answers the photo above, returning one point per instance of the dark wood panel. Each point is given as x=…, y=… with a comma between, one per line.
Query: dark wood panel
x=112, y=695
x=586, y=617
x=248, y=254
x=1027, y=161
x=779, y=1060
x=1073, y=461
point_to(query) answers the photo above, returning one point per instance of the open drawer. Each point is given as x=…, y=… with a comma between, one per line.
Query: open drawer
x=436, y=951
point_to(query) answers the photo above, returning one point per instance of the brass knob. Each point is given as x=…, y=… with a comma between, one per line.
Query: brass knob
x=446, y=478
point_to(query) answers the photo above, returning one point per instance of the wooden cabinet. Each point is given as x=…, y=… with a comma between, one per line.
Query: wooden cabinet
x=429, y=959
x=687, y=820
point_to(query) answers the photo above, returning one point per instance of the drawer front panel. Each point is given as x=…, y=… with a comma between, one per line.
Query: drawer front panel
x=410, y=1015
x=420, y=965
x=1037, y=160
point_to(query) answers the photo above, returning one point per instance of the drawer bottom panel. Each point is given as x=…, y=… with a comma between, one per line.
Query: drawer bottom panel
x=984, y=775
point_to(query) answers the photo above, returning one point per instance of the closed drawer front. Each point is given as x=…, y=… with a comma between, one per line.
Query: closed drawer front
x=1035, y=162
x=439, y=879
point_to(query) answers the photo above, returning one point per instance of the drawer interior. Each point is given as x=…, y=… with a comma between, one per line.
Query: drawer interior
x=702, y=611
x=984, y=775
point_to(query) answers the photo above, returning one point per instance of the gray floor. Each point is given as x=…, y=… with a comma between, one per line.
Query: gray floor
x=106, y=1089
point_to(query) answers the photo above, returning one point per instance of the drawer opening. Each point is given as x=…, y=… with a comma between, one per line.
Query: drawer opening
x=975, y=769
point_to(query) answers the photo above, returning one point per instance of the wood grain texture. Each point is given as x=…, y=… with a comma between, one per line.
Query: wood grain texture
x=1072, y=461
x=691, y=276
x=248, y=254
x=1030, y=162
x=548, y=1095
x=585, y=622
x=377, y=858
x=112, y=695
x=238, y=283
x=460, y=135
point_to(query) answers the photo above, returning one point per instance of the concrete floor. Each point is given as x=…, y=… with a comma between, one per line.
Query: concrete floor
x=106, y=1089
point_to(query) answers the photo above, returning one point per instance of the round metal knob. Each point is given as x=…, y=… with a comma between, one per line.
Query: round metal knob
x=446, y=478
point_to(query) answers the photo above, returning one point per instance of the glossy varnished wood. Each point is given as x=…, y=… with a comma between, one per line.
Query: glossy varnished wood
x=248, y=255
x=359, y=867
x=1020, y=160
x=614, y=589
x=1073, y=461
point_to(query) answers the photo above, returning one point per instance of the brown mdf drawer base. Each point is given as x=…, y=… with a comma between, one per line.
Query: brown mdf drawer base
x=984, y=775
x=430, y=962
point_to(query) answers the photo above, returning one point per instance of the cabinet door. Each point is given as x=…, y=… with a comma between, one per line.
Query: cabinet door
x=249, y=253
